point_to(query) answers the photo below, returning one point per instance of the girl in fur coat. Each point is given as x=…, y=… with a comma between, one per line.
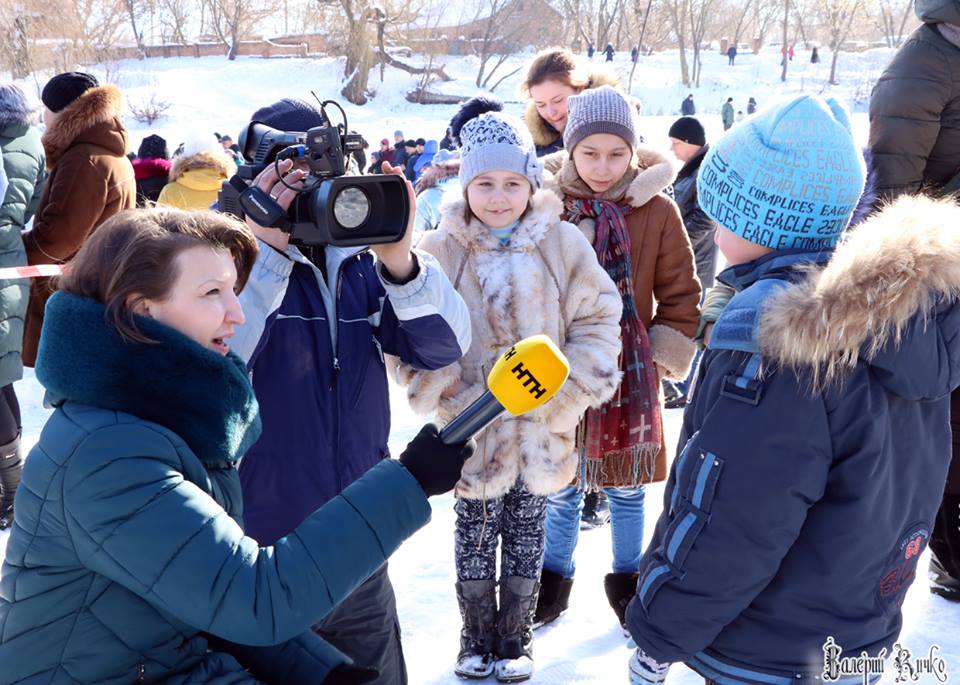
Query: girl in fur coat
x=196, y=175
x=522, y=271
x=611, y=190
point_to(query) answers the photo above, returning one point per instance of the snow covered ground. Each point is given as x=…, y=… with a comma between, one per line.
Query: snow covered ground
x=586, y=645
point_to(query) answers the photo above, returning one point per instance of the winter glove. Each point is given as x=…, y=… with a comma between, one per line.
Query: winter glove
x=435, y=466
x=348, y=674
x=645, y=670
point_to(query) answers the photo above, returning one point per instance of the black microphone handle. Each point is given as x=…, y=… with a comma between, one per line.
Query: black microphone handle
x=472, y=420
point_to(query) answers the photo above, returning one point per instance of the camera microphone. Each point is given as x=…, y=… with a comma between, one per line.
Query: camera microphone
x=524, y=378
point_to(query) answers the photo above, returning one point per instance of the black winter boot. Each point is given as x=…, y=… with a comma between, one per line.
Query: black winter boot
x=10, y=468
x=553, y=599
x=596, y=511
x=518, y=600
x=945, y=550
x=478, y=609
x=620, y=589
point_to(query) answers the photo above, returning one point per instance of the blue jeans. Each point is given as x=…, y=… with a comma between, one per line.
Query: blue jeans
x=563, y=529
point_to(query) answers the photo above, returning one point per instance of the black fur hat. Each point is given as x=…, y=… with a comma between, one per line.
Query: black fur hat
x=471, y=109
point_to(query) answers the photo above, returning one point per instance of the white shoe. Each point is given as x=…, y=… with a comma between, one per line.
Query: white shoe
x=514, y=670
x=474, y=666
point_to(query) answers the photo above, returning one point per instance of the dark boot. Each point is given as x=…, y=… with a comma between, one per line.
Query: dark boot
x=620, y=589
x=10, y=468
x=518, y=601
x=596, y=511
x=553, y=599
x=478, y=609
x=945, y=550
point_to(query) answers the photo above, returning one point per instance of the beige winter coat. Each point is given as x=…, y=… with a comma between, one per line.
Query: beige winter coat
x=547, y=280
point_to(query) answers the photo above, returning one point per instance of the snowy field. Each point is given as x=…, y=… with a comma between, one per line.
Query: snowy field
x=586, y=645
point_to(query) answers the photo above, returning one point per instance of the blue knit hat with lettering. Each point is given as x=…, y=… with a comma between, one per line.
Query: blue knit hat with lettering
x=788, y=177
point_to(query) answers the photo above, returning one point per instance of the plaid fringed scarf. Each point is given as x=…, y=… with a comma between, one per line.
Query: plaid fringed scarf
x=627, y=430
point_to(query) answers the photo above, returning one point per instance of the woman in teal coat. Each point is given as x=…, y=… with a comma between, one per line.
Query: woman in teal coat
x=126, y=562
x=23, y=163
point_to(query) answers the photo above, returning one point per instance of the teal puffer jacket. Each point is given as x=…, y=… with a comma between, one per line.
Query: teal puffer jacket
x=23, y=161
x=126, y=558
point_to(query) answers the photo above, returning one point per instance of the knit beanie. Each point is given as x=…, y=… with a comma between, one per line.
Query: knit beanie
x=599, y=110
x=689, y=130
x=290, y=114
x=788, y=177
x=64, y=88
x=153, y=147
x=494, y=140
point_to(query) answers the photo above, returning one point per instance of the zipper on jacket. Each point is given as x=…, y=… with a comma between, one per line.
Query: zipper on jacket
x=336, y=372
x=141, y=673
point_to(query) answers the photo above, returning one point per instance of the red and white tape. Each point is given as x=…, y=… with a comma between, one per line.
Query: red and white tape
x=11, y=272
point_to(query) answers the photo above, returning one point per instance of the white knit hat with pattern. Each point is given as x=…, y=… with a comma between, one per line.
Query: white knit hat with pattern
x=495, y=140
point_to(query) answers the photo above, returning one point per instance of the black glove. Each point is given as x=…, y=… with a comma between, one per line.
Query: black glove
x=348, y=674
x=435, y=466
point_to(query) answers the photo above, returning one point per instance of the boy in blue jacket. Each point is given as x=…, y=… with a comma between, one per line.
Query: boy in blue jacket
x=318, y=322
x=814, y=452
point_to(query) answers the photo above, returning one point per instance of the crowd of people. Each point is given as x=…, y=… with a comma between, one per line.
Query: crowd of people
x=213, y=500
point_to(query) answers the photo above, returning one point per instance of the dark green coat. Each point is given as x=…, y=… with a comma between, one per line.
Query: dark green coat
x=126, y=552
x=915, y=108
x=23, y=161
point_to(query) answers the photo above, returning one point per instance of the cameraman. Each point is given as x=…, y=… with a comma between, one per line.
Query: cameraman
x=319, y=320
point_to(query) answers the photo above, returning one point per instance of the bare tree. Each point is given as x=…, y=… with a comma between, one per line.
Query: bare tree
x=234, y=21
x=783, y=47
x=700, y=15
x=174, y=20
x=495, y=40
x=677, y=11
x=645, y=14
x=836, y=17
x=135, y=9
x=891, y=17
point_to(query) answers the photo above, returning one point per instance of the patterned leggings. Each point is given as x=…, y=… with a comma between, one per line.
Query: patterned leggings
x=517, y=519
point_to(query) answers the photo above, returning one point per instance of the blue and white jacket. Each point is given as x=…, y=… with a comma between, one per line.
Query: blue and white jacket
x=814, y=455
x=315, y=349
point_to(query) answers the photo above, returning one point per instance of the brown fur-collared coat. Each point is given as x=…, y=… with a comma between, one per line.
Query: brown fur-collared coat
x=90, y=180
x=665, y=285
x=547, y=280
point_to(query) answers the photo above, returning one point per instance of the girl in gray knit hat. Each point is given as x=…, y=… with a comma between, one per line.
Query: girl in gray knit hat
x=522, y=271
x=611, y=189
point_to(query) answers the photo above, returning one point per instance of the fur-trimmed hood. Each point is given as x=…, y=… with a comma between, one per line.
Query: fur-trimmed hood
x=208, y=159
x=15, y=108
x=94, y=118
x=544, y=212
x=874, y=301
x=543, y=133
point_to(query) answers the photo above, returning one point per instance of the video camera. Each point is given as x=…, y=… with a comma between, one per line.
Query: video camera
x=332, y=208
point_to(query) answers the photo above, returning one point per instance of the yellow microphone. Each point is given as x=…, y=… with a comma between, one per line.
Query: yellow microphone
x=525, y=377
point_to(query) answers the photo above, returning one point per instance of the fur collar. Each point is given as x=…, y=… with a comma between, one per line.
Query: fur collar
x=544, y=134
x=650, y=172
x=97, y=106
x=436, y=173
x=894, y=266
x=204, y=398
x=544, y=213
x=208, y=159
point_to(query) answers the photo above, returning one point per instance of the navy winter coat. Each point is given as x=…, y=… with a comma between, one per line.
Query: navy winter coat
x=127, y=559
x=314, y=344
x=813, y=456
